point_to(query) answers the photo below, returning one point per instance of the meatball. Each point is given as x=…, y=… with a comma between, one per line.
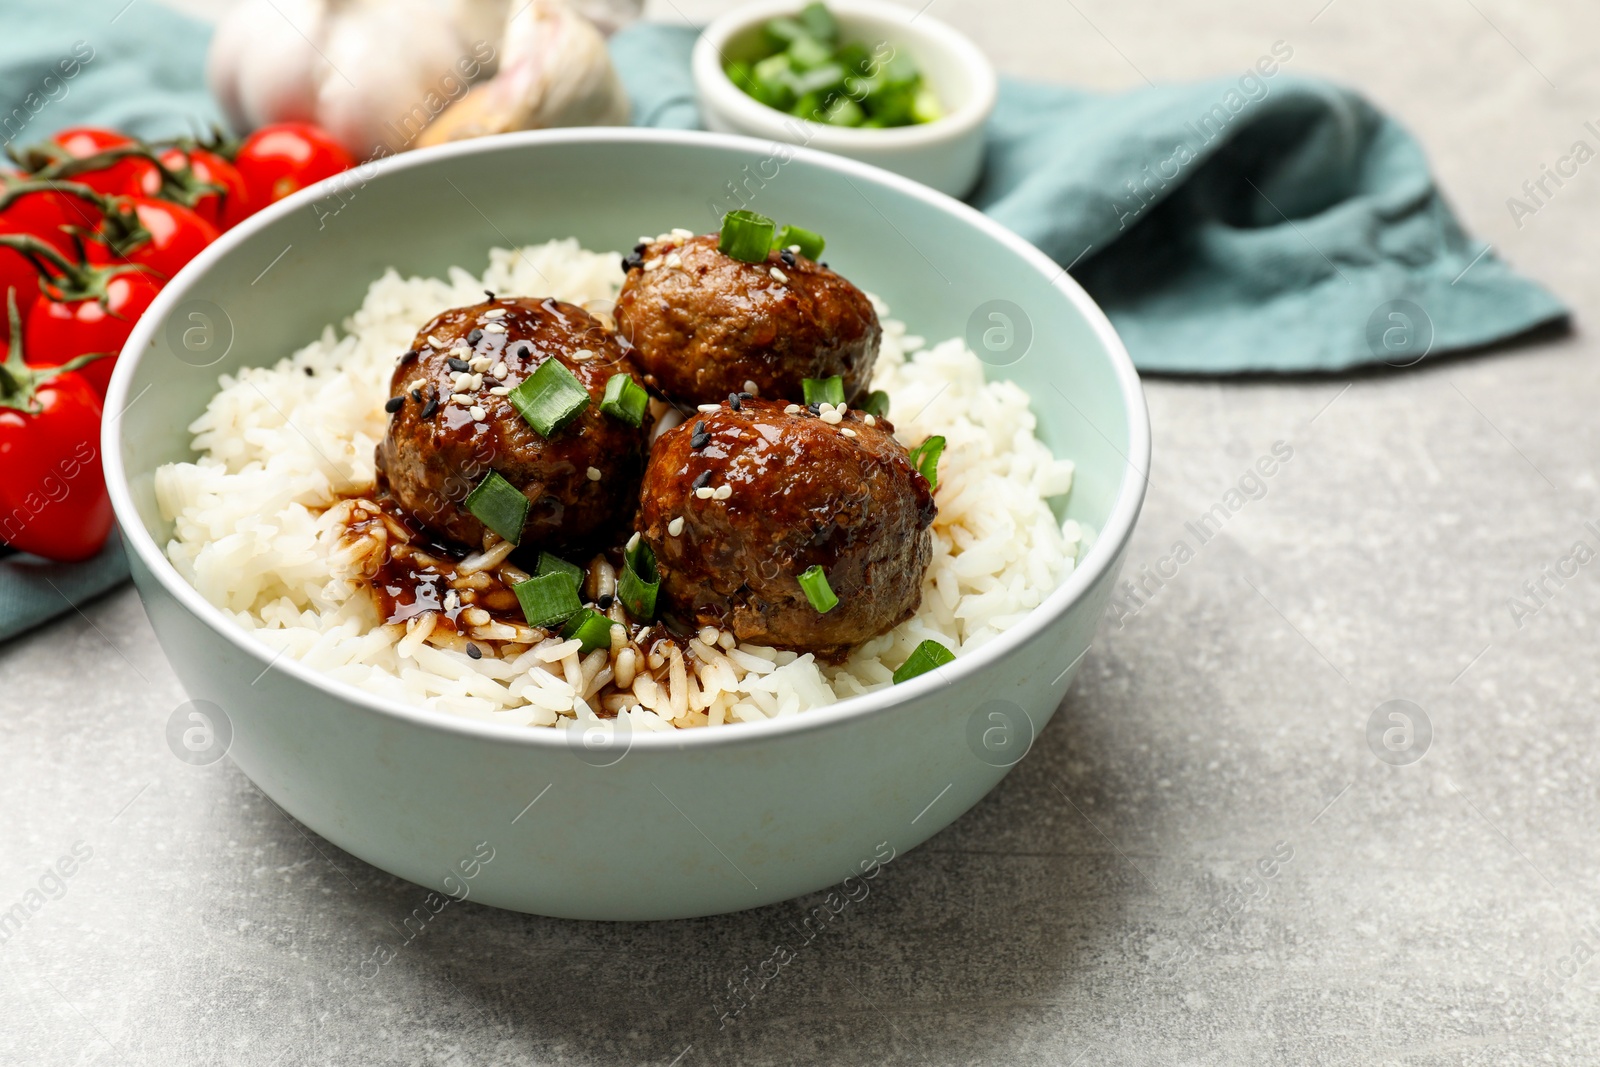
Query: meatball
x=452, y=423
x=703, y=324
x=737, y=504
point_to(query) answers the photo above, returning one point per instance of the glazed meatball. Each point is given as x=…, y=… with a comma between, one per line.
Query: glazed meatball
x=704, y=324
x=452, y=423
x=737, y=504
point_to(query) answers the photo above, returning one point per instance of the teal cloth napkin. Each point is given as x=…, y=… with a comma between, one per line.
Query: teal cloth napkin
x=1280, y=218
x=1248, y=224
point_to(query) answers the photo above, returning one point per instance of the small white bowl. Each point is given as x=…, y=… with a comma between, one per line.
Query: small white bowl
x=946, y=154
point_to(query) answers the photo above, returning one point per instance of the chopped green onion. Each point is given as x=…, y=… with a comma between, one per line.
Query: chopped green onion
x=811, y=244
x=625, y=399
x=925, y=457
x=549, y=564
x=807, y=53
x=824, y=390
x=746, y=236
x=844, y=112
x=815, y=584
x=589, y=627
x=784, y=31
x=639, y=581
x=926, y=108
x=876, y=404
x=819, y=22
x=924, y=658
x=548, y=599
x=828, y=76
x=550, y=397
x=499, y=505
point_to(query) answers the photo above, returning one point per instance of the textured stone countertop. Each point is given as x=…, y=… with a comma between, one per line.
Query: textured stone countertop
x=1428, y=914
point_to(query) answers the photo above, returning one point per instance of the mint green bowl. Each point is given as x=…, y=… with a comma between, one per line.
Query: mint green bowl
x=693, y=823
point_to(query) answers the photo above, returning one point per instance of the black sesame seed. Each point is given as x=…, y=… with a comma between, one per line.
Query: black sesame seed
x=474, y=651
x=633, y=262
x=699, y=427
x=639, y=248
x=416, y=394
x=733, y=401
x=475, y=336
x=815, y=409
x=824, y=266
x=394, y=404
x=699, y=441
x=431, y=408
x=604, y=602
x=490, y=294
x=408, y=355
x=747, y=396
x=787, y=257
x=456, y=365
x=310, y=373
x=701, y=479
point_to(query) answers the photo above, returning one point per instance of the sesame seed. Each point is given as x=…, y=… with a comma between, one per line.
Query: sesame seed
x=699, y=427
x=460, y=366
x=474, y=651
x=499, y=390
x=701, y=479
x=645, y=240
x=752, y=388
x=495, y=313
x=495, y=327
x=480, y=363
x=777, y=275
x=792, y=409
x=787, y=257
x=604, y=601
x=461, y=352
x=662, y=238
x=633, y=542
x=679, y=231
x=394, y=404
x=704, y=492
x=674, y=261
x=848, y=432
x=431, y=408
x=675, y=527
x=723, y=492
x=490, y=294
x=408, y=355
x=733, y=401
x=416, y=394
x=499, y=371
x=475, y=383
x=594, y=474
x=709, y=408
x=870, y=419
x=477, y=413
x=831, y=416
x=795, y=249
x=582, y=355
x=464, y=399
x=651, y=264
x=435, y=342
x=475, y=336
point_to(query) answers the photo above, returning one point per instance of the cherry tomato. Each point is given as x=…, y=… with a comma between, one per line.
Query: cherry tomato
x=17, y=274
x=45, y=212
x=225, y=209
x=286, y=157
x=168, y=235
x=53, y=499
x=132, y=175
x=61, y=327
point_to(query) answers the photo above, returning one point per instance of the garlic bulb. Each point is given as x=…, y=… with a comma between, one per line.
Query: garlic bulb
x=373, y=73
x=554, y=71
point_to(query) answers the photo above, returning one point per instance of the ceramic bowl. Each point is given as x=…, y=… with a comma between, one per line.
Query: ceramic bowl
x=689, y=823
x=946, y=154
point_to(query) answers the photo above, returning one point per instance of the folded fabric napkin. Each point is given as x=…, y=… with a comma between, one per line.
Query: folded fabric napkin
x=1256, y=223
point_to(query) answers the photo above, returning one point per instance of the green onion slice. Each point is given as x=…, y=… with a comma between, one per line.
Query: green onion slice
x=625, y=399
x=815, y=584
x=589, y=627
x=876, y=404
x=499, y=505
x=550, y=397
x=549, y=564
x=811, y=244
x=924, y=658
x=548, y=599
x=819, y=21
x=925, y=457
x=746, y=236
x=824, y=390
x=639, y=581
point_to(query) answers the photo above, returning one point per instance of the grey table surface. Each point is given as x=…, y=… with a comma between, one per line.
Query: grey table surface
x=1201, y=862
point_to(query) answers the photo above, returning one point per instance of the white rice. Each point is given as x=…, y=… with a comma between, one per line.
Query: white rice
x=256, y=530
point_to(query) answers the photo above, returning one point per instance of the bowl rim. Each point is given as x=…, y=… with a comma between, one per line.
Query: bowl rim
x=717, y=88
x=1102, y=554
